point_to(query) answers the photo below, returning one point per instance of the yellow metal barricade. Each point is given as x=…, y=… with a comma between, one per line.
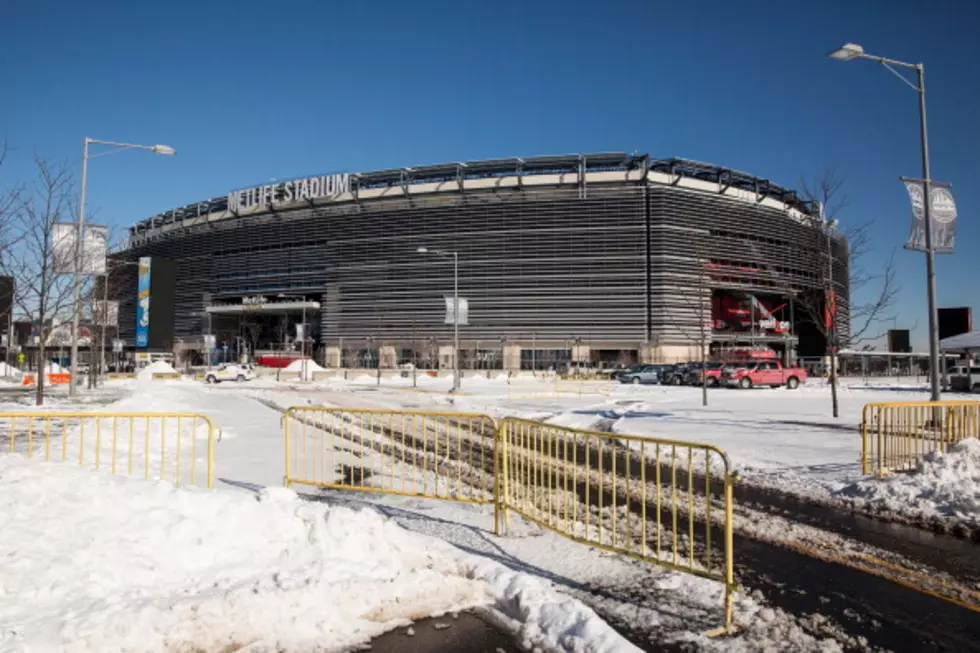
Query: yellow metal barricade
x=174, y=447
x=667, y=502
x=438, y=455
x=647, y=498
x=895, y=436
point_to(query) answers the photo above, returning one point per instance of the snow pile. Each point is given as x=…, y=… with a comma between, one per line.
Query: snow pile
x=9, y=370
x=54, y=368
x=158, y=367
x=95, y=562
x=299, y=365
x=944, y=486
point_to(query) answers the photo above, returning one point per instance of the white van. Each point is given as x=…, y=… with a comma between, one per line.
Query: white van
x=963, y=378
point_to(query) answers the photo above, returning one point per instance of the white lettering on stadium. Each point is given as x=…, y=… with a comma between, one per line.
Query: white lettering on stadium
x=310, y=188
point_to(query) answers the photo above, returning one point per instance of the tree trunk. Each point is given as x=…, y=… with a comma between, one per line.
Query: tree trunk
x=704, y=375
x=39, y=391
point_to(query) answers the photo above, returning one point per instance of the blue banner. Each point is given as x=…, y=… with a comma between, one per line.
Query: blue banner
x=143, y=303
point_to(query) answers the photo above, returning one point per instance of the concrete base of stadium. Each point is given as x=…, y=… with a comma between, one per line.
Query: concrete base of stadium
x=467, y=633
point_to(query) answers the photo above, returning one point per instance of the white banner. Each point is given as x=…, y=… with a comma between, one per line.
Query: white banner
x=117, y=346
x=93, y=253
x=942, y=213
x=300, y=333
x=105, y=313
x=464, y=311
x=63, y=245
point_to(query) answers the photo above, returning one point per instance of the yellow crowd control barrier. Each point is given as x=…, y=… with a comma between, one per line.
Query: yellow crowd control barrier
x=895, y=436
x=425, y=454
x=646, y=498
x=667, y=502
x=175, y=447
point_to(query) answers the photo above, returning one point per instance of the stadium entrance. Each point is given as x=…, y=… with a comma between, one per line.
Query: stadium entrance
x=270, y=330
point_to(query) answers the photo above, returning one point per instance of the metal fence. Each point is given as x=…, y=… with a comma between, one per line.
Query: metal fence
x=175, y=447
x=427, y=454
x=647, y=498
x=895, y=436
x=666, y=502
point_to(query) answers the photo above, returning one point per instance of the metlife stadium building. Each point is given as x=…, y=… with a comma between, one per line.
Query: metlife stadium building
x=599, y=257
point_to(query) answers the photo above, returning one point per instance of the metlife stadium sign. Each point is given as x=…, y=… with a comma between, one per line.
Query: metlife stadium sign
x=309, y=188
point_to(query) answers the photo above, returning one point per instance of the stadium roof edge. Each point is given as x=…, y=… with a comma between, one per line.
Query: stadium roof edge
x=523, y=166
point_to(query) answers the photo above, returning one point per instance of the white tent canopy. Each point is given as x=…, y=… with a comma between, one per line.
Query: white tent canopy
x=969, y=340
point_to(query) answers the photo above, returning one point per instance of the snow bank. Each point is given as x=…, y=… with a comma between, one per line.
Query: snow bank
x=299, y=365
x=158, y=367
x=9, y=370
x=95, y=563
x=944, y=486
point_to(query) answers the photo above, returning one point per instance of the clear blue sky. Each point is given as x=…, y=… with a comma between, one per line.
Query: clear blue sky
x=249, y=91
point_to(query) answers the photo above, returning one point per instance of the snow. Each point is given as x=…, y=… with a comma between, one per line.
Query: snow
x=9, y=370
x=305, y=368
x=299, y=364
x=204, y=553
x=944, y=485
x=96, y=563
x=157, y=367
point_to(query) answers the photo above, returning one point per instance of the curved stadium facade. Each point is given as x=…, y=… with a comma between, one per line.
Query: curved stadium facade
x=603, y=256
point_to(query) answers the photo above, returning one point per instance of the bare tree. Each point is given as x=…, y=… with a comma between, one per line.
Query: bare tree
x=877, y=288
x=44, y=296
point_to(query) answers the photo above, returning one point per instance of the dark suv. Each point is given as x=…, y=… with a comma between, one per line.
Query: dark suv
x=692, y=376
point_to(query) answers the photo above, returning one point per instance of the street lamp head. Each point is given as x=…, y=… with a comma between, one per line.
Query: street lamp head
x=163, y=149
x=847, y=52
x=422, y=250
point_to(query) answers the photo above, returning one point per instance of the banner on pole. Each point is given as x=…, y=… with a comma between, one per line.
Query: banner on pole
x=93, y=254
x=143, y=303
x=942, y=210
x=117, y=346
x=464, y=311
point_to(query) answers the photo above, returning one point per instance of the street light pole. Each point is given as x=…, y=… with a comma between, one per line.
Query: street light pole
x=77, y=290
x=79, y=239
x=455, y=255
x=930, y=254
x=456, y=379
x=849, y=52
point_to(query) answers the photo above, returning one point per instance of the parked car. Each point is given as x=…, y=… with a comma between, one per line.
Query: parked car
x=712, y=370
x=230, y=372
x=641, y=374
x=762, y=373
x=674, y=374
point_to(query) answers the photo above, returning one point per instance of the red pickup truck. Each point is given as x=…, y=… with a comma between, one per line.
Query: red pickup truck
x=762, y=373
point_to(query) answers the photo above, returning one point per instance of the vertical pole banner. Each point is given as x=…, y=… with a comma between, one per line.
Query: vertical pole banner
x=942, y=210
x=143, y=303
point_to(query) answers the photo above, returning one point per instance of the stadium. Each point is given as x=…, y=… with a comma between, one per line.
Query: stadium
x=600, y=258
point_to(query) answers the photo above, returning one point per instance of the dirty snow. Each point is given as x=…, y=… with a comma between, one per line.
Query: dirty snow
x=943, y=485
